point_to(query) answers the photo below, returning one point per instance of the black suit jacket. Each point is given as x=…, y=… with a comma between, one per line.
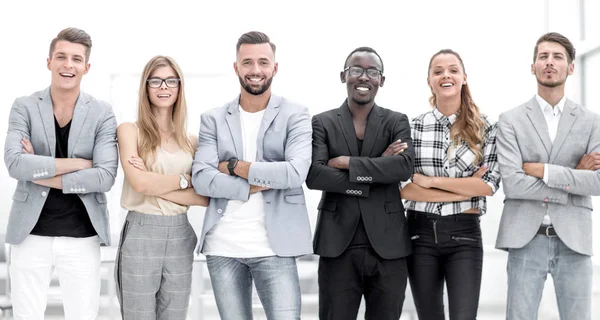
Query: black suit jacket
x=370, y=186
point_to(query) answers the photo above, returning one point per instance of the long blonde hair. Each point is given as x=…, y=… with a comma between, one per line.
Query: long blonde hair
x=149, y=136
x=469, y=126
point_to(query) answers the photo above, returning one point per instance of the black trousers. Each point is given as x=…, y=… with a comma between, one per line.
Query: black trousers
x=445, y=248
x=356, y=272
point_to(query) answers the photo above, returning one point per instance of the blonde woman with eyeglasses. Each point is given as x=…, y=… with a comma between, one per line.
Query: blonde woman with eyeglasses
x=155, y=255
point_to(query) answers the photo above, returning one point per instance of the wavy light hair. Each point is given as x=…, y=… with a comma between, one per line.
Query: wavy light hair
x=149, y=136
x=469, y=127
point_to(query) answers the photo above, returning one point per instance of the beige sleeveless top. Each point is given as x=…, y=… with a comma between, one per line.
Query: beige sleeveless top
x=165, y=163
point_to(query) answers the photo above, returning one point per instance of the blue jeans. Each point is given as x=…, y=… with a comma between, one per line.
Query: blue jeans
x=527, y=270
x=277, y=285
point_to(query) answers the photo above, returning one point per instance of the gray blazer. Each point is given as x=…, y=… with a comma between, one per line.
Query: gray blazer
x=284, y=151
x=92, y=136
x=523, y=137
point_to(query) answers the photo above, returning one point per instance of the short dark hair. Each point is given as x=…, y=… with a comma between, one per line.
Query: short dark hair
x=254, y=37
x=73, y=35
x=557, y=38
x=364, y=49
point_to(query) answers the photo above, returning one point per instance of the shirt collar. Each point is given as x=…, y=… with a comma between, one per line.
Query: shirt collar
x=448, y=121
x=543, y=104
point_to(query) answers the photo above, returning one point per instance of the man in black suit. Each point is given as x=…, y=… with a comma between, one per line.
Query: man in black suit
x=361, y=152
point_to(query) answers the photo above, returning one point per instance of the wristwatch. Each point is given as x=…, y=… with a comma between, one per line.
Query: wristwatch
x=183, y=182
x=231, y=165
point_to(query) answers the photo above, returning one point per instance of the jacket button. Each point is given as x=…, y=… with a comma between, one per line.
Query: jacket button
x=219, y=211
x=44, y=193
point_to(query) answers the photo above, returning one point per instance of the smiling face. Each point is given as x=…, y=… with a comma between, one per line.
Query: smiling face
x=362, y=88
x=67, y=64
x=446, y=76
x=163, y=96
x=551, y=66
x=255, y=67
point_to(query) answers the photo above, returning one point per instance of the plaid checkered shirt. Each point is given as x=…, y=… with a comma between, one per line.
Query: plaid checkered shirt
x=435, y=156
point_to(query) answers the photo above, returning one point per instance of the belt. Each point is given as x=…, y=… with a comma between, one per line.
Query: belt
x=548, y=231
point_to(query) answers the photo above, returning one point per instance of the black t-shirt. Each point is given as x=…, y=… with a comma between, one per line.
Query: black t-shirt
x=360, y=238
x=63, y=215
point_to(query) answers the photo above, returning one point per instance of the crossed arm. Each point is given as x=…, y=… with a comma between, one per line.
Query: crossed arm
x=211, y=176
x=525, y=180
x=95, y=175
x=341, y=173
x=164, y=186
x=484, y=182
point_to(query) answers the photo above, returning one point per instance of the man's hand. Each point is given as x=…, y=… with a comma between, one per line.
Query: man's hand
x=422, y=180
x=590, y=161
x=395, y=148
x=223, y=167
x=534, y=169
x=255, y=189
x=79, y=163
x=341, y=162
x=27, y=146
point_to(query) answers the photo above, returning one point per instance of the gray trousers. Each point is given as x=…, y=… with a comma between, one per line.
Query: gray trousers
x=154, y=266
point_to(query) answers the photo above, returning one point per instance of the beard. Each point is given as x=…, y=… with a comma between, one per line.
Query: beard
x=550, y=83
x=256, y=90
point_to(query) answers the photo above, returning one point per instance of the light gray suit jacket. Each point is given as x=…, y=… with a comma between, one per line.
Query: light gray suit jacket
x=523, y=137
x=284, y=151
x=92, y=136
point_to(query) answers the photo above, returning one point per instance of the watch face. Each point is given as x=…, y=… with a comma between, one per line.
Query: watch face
x=183, y=183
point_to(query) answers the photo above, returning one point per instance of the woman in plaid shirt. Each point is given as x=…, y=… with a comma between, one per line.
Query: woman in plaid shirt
x=456, y=167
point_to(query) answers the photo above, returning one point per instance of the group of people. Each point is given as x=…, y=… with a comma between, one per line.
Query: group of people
x=401, y=200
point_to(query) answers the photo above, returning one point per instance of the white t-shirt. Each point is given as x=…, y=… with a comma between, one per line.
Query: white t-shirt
x=241, y=231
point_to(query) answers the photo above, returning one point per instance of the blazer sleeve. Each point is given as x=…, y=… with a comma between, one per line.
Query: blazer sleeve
x=206, y=178
x=390, y=169
x=101, y=177
x=292, y=172
x=581, y=182
x=516, y=184
x=20, y=165
x=325, y=178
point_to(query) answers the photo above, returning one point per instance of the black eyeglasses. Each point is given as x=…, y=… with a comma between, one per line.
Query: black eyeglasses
x=157, y=82
x=358, y=71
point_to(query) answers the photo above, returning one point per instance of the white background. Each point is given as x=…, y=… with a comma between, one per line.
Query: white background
x=313, y=38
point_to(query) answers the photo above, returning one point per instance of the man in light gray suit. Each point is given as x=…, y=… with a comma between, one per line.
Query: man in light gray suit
x=253, y=156
x=61, y=147
x=548, y=155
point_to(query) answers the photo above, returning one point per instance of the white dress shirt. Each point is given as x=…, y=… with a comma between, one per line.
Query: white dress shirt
x=552, y=116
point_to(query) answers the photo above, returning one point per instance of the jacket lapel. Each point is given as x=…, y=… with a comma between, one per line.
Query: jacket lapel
x=233, y=121
x=347, y=125
x=47, y=115
x=82, y=107
x=539, y=123
x=372, y=130
x=270, y=113
x=567, y=119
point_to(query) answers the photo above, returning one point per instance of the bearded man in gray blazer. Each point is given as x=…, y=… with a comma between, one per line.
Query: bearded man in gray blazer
x=61, y=147
x=253, y=157
x=548, y=154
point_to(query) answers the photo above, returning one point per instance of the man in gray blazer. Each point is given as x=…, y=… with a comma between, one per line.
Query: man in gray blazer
x=548, y=155
x=253, y=156
x=61, y=147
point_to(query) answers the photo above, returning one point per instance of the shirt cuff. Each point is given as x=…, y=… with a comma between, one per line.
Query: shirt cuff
x=545, y=174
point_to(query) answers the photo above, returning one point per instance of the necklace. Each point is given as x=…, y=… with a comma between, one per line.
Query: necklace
x=167, y=137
